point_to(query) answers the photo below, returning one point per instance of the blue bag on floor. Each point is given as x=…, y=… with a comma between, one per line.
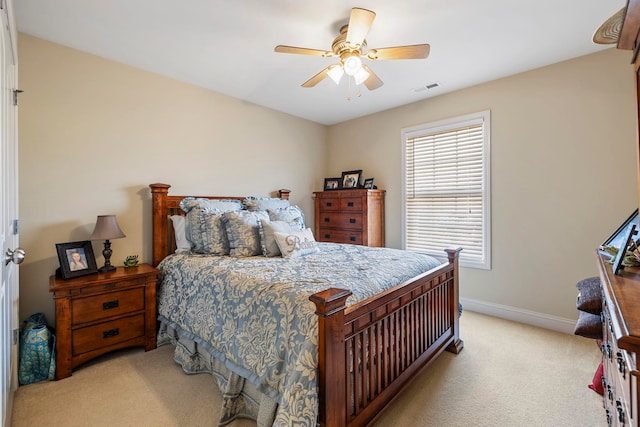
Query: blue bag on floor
x=37, y=351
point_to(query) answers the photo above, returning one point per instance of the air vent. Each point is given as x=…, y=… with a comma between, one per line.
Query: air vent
x=427, y=87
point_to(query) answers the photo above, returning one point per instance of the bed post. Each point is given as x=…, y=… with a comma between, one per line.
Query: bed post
x=284, y=194
x=457, y=344
x=159, y=207
x=332, y=385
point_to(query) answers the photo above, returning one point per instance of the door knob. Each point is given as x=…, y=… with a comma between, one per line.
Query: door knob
x=17, y=256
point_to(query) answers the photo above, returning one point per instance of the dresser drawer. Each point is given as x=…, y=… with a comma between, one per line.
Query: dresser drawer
x=348, y=204
x=329, y=203
x=341, y=220
x=339, y=236
x=107, y=334
x=97, y=307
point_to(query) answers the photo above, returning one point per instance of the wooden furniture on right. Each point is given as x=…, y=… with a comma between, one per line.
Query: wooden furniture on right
x=390, y=337
x=350, y=216
x=621, y=293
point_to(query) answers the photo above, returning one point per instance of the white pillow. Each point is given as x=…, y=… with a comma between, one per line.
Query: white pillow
x=296, y=243
x=267, y=238
x=179, y=224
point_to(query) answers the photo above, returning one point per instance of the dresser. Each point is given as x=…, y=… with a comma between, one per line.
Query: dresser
x=102, y=312
x=350, y=216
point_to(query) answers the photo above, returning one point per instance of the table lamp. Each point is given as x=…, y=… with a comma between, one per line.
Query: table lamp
x=106, y=229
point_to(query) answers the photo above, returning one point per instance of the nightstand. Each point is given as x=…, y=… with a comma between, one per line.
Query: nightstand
x=102, y=312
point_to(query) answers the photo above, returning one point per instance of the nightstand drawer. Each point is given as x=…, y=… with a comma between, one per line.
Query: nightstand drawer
x=106, y=305
x=341, y=220
x=107, y=334
x=337, y=236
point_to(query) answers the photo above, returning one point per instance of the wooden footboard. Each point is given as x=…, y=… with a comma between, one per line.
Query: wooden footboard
x=370, y=351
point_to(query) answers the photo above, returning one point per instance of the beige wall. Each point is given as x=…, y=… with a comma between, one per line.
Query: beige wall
x=562, y=172
x=95, y=133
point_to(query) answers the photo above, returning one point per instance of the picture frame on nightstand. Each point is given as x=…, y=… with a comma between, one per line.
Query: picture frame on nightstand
x=76, y=259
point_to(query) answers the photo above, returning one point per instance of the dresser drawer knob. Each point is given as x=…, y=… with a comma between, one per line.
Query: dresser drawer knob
x=329, y=204
x=327, y=220
x=350, y=204
x=111, y=333
x=620, y=412
x=352, y=220
x=110, y=304
x=327, y=236
x=621, y=365
x=352, y=238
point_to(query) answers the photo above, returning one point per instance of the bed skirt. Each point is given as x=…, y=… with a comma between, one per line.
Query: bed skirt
x=240, y=398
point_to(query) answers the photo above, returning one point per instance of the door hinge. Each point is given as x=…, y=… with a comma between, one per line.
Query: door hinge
x=15, y=227
x=16, y=92
x=16, y=335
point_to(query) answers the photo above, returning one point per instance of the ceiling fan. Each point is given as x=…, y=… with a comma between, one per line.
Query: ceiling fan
x=349, y=46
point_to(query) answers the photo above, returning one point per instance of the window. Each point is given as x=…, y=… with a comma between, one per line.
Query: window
x=446, y=202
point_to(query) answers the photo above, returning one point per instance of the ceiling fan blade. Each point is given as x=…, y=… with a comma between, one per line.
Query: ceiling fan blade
x=373, y=82
x=302, y=51
x=416, y=51
x=359, y=25
x=317, y=78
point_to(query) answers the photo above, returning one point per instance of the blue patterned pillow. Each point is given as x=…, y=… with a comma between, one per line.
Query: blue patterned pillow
x=194, y=208
x=214, y=237
x=253, y=203
x=268, y=239
x=243, y=231
x=292, y=215
x=296, y=243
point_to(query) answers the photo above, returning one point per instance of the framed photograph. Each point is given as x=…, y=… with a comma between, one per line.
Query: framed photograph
x=76, y=259
x=622, y=251
x=368, y=183
x=351, y=179
x=331, y=184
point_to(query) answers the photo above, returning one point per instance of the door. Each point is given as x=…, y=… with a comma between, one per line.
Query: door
x=9, y=320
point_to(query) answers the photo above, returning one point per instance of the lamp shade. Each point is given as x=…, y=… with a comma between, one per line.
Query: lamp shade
x=107, y=228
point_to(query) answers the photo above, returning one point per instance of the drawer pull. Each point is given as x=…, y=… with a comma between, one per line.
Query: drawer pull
x=352, y=220
x=350, y=204
x=620, y=412
x=329, y=204
x=327, y=220
x=621, y=365
x=111, y=333
x=352, y=238
x=110, y=304
x=327, y=236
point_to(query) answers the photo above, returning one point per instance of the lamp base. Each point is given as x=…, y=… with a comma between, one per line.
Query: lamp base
x=106, y=268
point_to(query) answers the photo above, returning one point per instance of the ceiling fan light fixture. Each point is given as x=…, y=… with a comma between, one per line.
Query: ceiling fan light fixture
x=351, y=63
x=336, y=72
x=360, y=76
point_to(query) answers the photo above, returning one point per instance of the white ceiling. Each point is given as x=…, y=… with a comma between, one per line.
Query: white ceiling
x=227, y=46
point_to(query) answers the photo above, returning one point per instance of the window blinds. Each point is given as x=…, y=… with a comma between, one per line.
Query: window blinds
x=444, y=191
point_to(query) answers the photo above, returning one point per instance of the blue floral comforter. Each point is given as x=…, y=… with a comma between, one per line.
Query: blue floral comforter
x=254, y=313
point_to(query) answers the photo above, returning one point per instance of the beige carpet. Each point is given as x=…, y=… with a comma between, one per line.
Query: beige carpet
x=508, y=374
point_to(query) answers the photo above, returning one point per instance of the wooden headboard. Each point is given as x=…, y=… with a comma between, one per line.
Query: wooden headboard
x=163, y=205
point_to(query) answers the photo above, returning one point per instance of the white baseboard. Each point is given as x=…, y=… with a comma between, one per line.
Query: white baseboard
x=528, y=317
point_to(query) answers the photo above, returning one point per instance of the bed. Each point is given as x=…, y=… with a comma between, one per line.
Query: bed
x=318, y=346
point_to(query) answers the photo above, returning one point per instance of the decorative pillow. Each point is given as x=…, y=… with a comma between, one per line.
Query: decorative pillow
x=292, y=214
x=253, y=203
x=214, y=236
x=268, y=239
x=596, y=383
x=243, y=232
x=589, y=326
x=296, y=243
x=590, y=295
x=179, y=224
x=194, y=208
